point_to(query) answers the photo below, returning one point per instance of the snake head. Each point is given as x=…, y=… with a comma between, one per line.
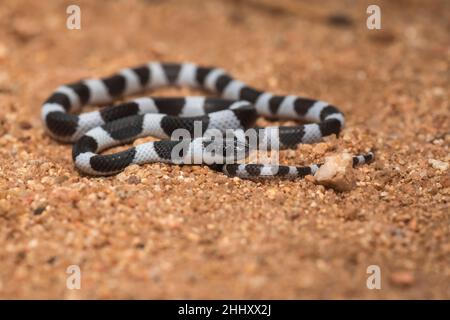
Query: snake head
x=224, y=150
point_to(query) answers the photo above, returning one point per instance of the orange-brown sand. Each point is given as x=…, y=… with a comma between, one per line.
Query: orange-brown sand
x=164, y=231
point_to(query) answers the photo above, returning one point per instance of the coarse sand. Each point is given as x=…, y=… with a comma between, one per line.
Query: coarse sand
x=165, y=231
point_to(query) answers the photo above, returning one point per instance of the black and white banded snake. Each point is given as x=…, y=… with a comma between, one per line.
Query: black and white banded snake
x=236, y=110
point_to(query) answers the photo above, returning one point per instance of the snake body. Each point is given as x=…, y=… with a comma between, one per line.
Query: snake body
x=236, y=110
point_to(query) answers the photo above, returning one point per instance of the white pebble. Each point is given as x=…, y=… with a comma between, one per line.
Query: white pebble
x=437, y=164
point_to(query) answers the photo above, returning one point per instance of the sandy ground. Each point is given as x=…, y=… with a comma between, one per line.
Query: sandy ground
x=161, y=231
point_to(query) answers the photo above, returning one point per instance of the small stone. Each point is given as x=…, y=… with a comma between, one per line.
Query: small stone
x=60, y=179
x=25, y=29
x=25, y=125
x=134, y=180
x=139, y=245
x=439, y=165
x=413, y=224
x=340, y=20
x=445, y=181
x=438, y=91
x=352, y=214
x=39, y=210
x=52, y=260
x=383, y=37
x=337, y=172
x=292, y=215
x=402, y=278
x=33, y=243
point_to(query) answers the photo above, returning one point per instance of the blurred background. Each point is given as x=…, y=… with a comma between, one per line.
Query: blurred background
x=158, y=236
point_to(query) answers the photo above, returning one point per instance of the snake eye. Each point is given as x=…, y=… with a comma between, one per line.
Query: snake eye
x=236, y=147
x=232, y=148
x=224, y=150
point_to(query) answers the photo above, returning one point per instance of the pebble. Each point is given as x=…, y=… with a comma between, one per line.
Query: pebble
x=25, y=29
x=439, y=165
x=384, y=37
x=133, y=180
x=60, y=179
x=39, y=210
x=310, y=178
x=340, y=20
x=351, y=214
x=25, y=125
x=292, y=215
x=445, y=182
x=337, y=172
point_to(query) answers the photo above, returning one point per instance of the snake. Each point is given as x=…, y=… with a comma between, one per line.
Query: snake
x=214, y=127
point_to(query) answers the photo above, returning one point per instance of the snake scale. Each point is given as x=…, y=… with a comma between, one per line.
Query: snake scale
x=235, y=110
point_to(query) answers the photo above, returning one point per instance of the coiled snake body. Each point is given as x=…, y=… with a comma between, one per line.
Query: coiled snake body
x=236, y=110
